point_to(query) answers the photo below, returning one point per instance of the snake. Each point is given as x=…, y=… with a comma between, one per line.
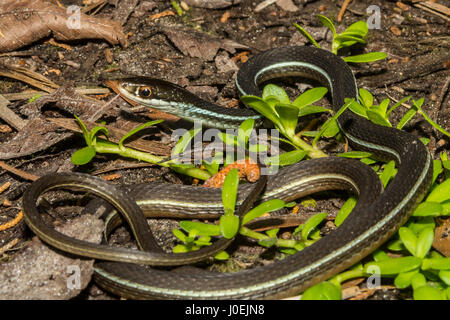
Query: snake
x=151, y=273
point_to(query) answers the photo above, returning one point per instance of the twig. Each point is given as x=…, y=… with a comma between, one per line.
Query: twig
x=343, y=8
x=264, y=4
x=32, y=78
x=442, y=95
x=9, y=245
x=9, y=116
x=30, y=94
x=102, y=110
x=128, y=165
x=435, y=8
x=18, y=172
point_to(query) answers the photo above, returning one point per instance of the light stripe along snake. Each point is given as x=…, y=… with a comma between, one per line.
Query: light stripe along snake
x=374, y=219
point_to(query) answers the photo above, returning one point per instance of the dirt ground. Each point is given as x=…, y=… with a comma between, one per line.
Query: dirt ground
x=200, y=50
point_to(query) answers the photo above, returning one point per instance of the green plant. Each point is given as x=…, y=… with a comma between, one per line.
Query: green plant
x=379, y=114
x=419, y=267
x=97, y=145
x=355, y=33
x=177, y=7
x=276, y=106
x=197, y=234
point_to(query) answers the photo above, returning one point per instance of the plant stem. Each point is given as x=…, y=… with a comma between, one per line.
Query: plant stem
x=312, y=152
x=260, y=236
x=107, y=147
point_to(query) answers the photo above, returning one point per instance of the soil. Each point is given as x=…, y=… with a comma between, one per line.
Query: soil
x=416, y=41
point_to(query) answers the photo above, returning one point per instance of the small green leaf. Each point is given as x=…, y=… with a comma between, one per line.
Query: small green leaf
x=418, y=280
x=346, y=208
x=383, y=106
x=229, y=226
x=177, y=7
x=366, y=97
x=229, y=191
x=425, y=140
x=33, y=98
x=446, y=208
x=184, y=141
x=409, y=239
x=180, y=248
x=272, y=232
x=244, y=132
x=394, y=266
x=309, y=97
x=286, y=158
x=360, y=27
x=179, y=234
x=331, y=124
x=377, y=118
x=396, y=245
x=312, y=223
x=445, y=276
x=323, y=291
x=261, y=107
x=348, y=37
x=86, y=135
x=428, y=208
x=380, y=255
x=331, y=128
x=203, y=241
x=420, y=224
x=436, y=263
x=437, y=170
x=403, y=279
x=440, y=193
x=355, y=154
x=288, y=116
x=307, y=35
x=308, y=203
x=137, y=129
x=424, y=242
x=358, y=109
x=305, y=111
x=366, y=57
x=83, y=156
x=96, y=130
x=267, y=206
x=427, y=293
x=388, y=173
x=204, y=229
x=368, y=161
x=212, y=166
x=406, y=117
x=272, y=90
x=327, y=23
x=222, y=255
x=418, y=105
x=397, y=104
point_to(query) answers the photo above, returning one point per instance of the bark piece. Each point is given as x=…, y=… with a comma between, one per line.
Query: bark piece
x=200, y=45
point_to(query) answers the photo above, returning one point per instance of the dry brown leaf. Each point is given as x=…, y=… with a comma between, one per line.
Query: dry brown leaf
x=25, y=21
x=442, y=238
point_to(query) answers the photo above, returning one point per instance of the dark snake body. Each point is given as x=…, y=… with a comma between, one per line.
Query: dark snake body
x=375, y=218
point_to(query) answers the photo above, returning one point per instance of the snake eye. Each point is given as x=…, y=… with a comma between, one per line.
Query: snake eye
x=145, y=92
